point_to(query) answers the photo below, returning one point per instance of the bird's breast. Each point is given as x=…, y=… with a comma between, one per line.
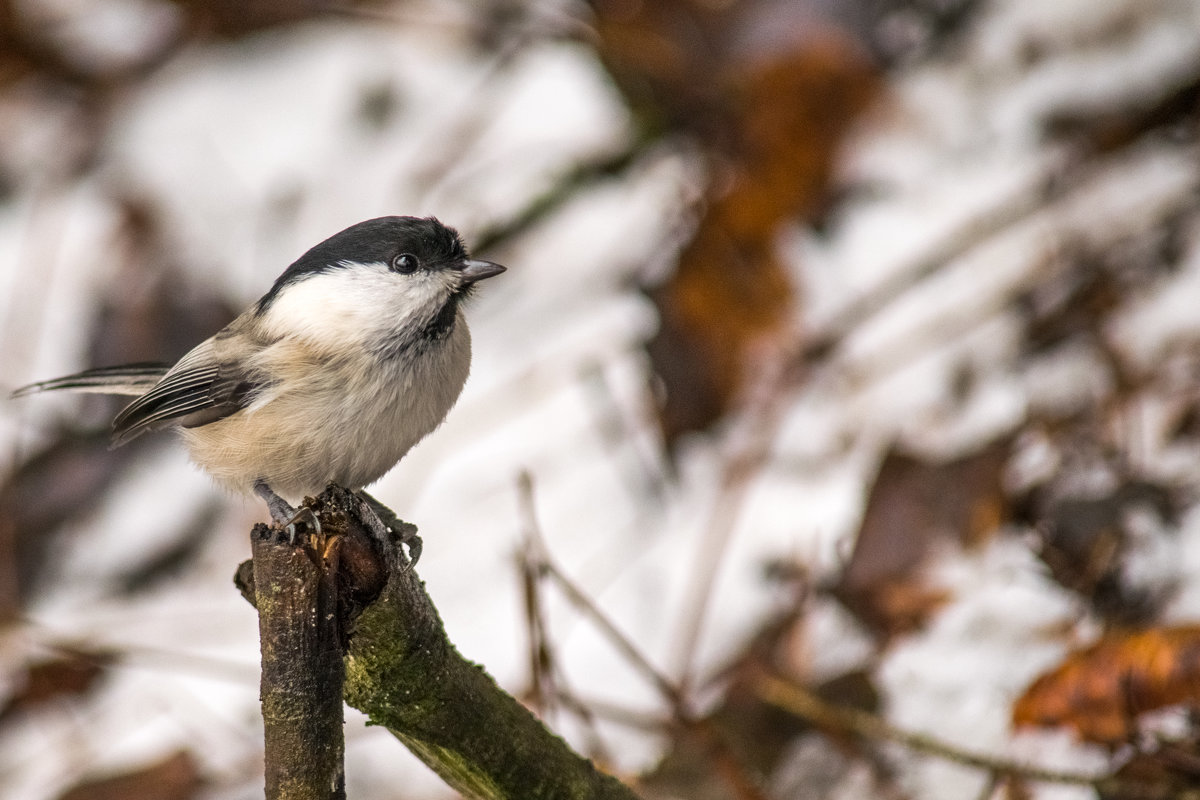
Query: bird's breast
x=327, y=418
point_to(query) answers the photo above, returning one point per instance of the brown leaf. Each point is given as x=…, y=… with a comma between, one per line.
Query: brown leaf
x=176, y=777
x=767, y=95
x=723, y=310
x=1099, y=692
x=1083, y=541
x=1169, y=769
x=731, y=302
x=72, y=674
x=62, y=482
x=914, y=505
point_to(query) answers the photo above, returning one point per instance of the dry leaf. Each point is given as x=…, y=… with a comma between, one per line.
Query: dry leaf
x=915, y=504
x=768, y=96
x=1099, y=692
x=71, y=674
x=1084, y=541
x=176, y=777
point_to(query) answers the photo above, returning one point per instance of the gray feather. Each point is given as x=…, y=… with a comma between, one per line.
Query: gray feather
x=196, y=391
x=128, y=379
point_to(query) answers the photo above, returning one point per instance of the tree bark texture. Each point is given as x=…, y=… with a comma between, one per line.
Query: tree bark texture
x=302, y=670
x=400, y=669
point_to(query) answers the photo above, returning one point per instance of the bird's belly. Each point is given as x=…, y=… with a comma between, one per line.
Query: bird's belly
x=333, y=430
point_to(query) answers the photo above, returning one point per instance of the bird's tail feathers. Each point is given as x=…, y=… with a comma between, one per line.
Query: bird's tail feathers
x=129, y=379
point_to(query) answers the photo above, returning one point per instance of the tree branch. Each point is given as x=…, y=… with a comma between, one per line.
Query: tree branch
x=403, y=672
x=302, y=670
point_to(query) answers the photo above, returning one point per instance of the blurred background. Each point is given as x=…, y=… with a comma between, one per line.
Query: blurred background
x=852, y=345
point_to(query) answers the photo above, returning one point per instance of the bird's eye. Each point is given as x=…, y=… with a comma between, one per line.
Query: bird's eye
x=405, y=263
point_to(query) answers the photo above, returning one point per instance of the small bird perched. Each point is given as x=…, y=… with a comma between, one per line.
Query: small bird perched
x=356, y=353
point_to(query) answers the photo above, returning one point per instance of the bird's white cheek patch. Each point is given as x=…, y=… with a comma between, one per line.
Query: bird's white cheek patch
x=352, y=305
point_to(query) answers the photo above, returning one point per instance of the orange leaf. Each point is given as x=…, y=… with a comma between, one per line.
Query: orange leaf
x=768, y=113
x=1099, y=692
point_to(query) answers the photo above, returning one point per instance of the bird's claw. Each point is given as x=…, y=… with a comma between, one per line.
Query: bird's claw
x=372, y=513
x=307, y=516
x=409, y=538
x=284, y=515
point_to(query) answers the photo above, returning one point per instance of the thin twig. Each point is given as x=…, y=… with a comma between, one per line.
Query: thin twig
x=627, y=717
x=730, y=767
x=548, y=682
x=584, y=603
x=863, y=724
x=994, y=781
x=808, y=705
x=581, y=176
x=763, y=415
x=540, y=672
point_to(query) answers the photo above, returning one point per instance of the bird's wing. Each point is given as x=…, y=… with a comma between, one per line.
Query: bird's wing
x=132, y=379
x=198, y=390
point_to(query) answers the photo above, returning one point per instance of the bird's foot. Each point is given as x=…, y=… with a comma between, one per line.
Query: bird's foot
x=383, y=524
x=309, y=518
x=281, y=511
x=406, y=532
x=284, y=515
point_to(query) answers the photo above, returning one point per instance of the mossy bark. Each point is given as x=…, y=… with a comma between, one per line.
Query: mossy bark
x=404, y=673
x=302, y=671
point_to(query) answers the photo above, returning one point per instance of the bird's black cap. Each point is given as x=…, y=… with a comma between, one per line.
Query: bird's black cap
x=376, y=240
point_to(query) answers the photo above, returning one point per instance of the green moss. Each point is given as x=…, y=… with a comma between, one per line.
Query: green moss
x=404, y=673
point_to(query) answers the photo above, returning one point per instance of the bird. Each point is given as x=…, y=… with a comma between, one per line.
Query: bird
x=354, y=355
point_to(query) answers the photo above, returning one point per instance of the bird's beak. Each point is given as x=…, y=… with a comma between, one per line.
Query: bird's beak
x=473, y=270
